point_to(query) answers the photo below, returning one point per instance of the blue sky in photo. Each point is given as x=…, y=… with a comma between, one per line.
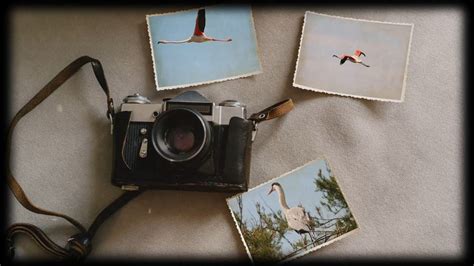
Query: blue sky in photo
x=299, y=188
x=188, y=63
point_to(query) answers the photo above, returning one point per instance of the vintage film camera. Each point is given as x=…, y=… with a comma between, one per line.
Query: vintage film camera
x=186, y=142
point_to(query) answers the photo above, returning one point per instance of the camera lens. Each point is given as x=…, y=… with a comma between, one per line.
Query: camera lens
x=180, y=139
x=180, y=135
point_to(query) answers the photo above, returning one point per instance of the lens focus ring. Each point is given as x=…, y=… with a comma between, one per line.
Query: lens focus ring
x=181, y=135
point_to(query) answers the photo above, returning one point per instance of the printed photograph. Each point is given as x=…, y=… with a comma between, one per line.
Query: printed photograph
x=293, y=214
x=203, y=45
x=353, y=57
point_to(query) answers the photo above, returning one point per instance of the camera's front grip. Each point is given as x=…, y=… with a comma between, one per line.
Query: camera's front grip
x=239, y=141
x=237, y=154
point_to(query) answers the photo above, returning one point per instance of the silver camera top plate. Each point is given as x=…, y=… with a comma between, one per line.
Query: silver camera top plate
x=142, y=112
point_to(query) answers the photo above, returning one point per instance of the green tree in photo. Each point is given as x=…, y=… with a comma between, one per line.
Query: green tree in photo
x=263, y=236
x=334, y=202
x=268, y=236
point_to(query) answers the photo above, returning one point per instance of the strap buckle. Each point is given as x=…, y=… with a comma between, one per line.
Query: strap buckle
x=255, y=129
x=274, y=111
x=79, y=246
x=111, y=119
x=110, y=114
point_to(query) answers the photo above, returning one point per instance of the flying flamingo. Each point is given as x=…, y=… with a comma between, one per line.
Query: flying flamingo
x=198, y=35
x=355, y=58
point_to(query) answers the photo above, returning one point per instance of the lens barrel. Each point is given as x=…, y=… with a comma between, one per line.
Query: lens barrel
x=181, y=135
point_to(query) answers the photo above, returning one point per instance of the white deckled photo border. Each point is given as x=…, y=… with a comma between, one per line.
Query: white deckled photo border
x=155, y=68
x=402, y=96
x=271, y=181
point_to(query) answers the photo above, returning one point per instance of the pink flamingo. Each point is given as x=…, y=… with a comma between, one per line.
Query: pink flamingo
x=355, y=58
x=198, y=35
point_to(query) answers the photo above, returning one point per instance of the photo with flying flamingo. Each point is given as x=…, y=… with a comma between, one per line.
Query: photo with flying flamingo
x=198, y=35
x=292, y=215
x=353, y=57
x=204, y=45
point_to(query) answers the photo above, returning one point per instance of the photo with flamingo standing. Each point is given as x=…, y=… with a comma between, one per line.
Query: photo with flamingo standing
x=292, y=215
x=203, y=45
x=353, y=57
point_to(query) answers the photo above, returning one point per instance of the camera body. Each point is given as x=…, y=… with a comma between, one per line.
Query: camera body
x=184, y=143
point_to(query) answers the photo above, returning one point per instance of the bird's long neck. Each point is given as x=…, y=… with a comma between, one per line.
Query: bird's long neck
x=282, y=199
x=183, y=41
x=336, y=56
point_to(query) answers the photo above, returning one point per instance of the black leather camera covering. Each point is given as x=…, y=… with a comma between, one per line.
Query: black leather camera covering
x=225, y=168
x=238, y=151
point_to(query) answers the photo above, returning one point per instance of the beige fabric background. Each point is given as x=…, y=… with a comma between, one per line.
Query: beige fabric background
x=399, y=165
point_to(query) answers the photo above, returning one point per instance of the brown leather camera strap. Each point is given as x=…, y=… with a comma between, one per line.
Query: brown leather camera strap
x=79, y=245
x=274, y=111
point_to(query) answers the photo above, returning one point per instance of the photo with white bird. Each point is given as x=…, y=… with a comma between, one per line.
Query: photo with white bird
x=293, y=214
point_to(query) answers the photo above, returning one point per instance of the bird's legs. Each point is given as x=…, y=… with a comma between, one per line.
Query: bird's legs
x=311, y=236
x=362, y=63
x=220, y=40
